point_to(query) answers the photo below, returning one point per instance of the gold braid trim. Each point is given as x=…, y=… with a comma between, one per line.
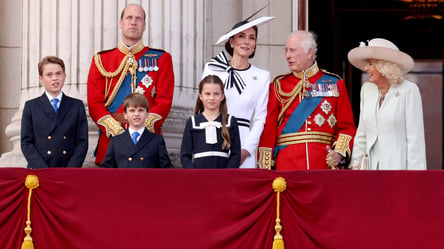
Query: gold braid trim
x=112, y=126
x=31, y=182
x=290, y=96
x=279, y=185
x=128, y=63
x=265, y=158
x=342, y=145
x=305, y=137
x=152, y=118
x=298, y=90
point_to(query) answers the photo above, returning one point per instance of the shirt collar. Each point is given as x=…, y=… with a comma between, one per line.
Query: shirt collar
x=59, y=97
x=131, y=131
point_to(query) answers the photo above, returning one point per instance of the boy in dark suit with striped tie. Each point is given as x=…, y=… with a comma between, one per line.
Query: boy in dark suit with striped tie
x=54, y=128
x=136, y=147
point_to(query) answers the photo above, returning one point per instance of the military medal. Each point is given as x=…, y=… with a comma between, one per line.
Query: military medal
x=140, y=66
x=139, y=90
x=150, y=66
x=153, y=92
x=146, y=65
x=147, y=81
x=156, y=68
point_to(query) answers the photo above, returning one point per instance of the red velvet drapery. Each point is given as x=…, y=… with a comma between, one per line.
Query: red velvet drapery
x=199, y=209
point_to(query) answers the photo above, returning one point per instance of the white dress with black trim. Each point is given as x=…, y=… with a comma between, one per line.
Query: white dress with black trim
x=246, y=92
x=202, y=144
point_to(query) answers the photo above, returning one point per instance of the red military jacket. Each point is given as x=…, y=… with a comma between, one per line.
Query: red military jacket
x=327, y=122
x=107, y=88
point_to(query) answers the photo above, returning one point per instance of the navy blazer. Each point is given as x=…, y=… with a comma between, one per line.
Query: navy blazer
x=149, y=152
x=50, y=139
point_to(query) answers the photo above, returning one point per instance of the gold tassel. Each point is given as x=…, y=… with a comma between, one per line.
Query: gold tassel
x=279, y=185
x=31, y=182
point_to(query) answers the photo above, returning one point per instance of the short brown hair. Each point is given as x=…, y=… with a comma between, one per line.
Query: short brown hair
x=136, y=99
x=50, y=60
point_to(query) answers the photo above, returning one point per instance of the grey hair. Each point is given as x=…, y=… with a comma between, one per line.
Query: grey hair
x=308, y=42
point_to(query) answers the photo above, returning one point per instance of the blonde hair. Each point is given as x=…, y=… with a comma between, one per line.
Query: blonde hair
x=390, y=70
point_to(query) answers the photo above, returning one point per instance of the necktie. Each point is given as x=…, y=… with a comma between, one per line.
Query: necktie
x=135, y=135
x=54, y=104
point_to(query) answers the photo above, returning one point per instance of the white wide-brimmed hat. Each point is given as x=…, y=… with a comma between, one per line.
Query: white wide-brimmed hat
x=380, y=49
x=244, y=25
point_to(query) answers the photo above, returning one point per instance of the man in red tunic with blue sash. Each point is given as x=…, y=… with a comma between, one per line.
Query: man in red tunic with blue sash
x=131, y=67
x=309, y=122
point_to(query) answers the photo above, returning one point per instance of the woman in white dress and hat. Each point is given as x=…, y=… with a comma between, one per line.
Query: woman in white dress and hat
x=390, y=134
x=246, y=86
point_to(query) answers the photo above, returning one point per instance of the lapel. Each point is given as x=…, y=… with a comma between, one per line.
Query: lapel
x=128, y=145
x=126, y=141
x=144, y=140
x=65, y=106
x=46, y=107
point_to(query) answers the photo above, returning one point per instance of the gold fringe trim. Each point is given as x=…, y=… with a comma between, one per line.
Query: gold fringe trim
x=279, y=185
x=31, y=182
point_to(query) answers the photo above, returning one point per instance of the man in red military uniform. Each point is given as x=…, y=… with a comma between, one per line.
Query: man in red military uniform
x=309, y=122
x=129, y=68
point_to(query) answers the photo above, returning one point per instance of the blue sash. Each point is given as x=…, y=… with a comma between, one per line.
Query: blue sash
x=125, y=88
x=305, y=109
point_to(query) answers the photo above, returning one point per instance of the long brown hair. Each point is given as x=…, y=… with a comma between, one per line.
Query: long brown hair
x=199, y=108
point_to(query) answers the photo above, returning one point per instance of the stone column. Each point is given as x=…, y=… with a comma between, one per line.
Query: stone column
x=63, y=28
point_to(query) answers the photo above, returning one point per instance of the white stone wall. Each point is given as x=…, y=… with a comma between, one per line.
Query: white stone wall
x=76, y=29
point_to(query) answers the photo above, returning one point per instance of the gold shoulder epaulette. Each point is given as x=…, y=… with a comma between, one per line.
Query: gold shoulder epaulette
x=279, y=77
x=332, y=74
x=105, y=51
x=158, y=49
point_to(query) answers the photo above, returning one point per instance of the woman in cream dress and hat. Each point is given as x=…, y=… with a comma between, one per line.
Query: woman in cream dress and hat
x=246, y=86
x=390, y=135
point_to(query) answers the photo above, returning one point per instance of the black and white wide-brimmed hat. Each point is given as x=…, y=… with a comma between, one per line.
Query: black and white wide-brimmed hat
x=380, y=49
x=244, y=25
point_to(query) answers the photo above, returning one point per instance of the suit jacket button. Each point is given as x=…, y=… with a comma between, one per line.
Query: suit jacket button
x=49, y=137
x=49, y=152
x=64, y=152
x=130, y=159
x=64, y=137
x=141, y=159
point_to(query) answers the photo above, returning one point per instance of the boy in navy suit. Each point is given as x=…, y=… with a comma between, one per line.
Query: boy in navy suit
x=136, y=147
x=54, y=130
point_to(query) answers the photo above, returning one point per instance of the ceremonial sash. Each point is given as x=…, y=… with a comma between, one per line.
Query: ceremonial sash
x=305, y=108
x=125, y=88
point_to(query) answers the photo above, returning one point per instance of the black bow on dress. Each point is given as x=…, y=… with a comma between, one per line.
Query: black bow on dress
x=220, y=62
